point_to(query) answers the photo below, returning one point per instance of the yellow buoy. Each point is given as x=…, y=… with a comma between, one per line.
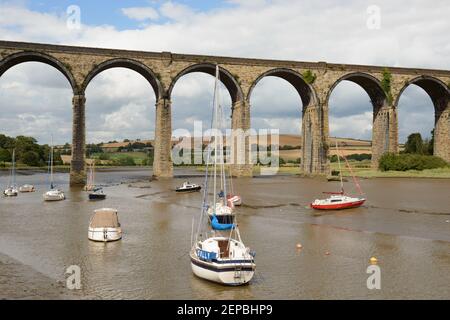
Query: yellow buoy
x=373, y=260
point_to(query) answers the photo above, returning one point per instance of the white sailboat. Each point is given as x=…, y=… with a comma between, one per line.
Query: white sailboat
x=54, y=194
x=12, y=190
x=218, y=253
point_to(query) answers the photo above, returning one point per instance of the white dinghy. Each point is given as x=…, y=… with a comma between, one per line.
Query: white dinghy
x=104, y=226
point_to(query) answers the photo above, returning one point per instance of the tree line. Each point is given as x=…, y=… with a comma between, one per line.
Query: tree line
x=27, y=151
x=417, y=155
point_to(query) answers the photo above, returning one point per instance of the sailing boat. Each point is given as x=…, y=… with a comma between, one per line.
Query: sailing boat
x=97, y=193
x=223, y=209
x=338, y=200
x=232, y=198
x=12, y=191
x=90, y=181
x=54, y=194
x=218, y=253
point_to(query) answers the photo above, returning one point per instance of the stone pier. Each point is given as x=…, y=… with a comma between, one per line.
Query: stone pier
x=162, y=163
x=77, y=166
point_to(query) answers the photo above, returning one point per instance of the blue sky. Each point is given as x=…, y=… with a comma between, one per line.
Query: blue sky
x=101, y=12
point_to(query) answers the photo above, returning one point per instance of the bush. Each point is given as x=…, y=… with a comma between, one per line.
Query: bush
x=5, y=155
x=124, y=161
x=353, y=156
x=31, y=158
x=104, y=156
x=403, y=162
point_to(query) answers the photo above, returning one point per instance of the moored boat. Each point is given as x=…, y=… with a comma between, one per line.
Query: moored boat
x=54, y=194
x=223, y=260
x=339, y=200
x=12, y=191
x=104, y=225
x=97, y=194
x=188, y=187
x=217, y=251
x=27, y=188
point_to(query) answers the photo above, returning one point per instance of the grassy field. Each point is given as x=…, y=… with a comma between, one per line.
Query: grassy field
x=138, y=157
x=363, y=169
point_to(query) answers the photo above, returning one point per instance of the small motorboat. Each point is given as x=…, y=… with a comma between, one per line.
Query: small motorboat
x=97, y=194
x=104, y=226
x=188, y=187
x=337, y=201
x=11, y=192
x=27, y=188
x=54, y=195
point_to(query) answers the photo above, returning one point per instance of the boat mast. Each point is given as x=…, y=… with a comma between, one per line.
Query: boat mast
x=215, y=134
x=339, y=165
x=51, y=164
x=13, y=169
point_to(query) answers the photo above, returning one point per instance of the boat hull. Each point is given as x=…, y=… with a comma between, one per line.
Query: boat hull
x=188, y=190
x=97, y=196
x=25, y=189
x=53, y=196
x=229, y=273
x=338, y=206
x=10, y=193
x=104, y=234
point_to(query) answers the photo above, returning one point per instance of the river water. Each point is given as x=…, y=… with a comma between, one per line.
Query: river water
x=405, y=224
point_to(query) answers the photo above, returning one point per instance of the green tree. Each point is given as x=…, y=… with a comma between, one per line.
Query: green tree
x=414, y=144
x=430, y=146
x=31, y=158
x=5, y=155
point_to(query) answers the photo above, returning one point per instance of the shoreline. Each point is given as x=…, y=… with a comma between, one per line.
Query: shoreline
x=439, y=173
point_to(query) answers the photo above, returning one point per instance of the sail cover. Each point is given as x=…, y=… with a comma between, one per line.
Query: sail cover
x=105, y=218
x=221, y=226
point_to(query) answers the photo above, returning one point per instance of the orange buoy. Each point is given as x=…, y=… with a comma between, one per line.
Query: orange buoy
x=373, y=260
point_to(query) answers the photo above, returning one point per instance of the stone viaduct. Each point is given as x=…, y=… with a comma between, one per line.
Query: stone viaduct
x=314, y=83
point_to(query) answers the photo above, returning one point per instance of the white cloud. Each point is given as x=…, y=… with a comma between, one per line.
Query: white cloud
x=176, y=11
x=141, y=13
x=413, y=33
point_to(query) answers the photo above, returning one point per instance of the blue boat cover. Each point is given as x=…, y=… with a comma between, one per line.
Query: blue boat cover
x=221, y=226
x=206, y=255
